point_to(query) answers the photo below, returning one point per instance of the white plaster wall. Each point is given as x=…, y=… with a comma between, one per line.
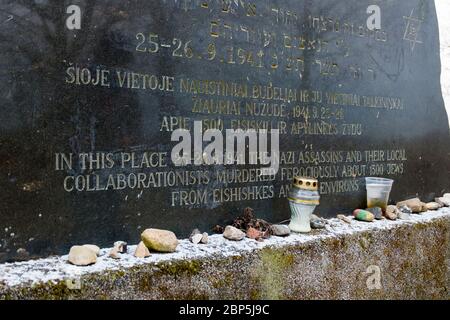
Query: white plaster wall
x=443, y=12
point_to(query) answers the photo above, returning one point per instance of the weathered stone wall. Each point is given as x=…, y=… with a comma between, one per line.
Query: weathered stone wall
x=412, y=257
x=443, y=11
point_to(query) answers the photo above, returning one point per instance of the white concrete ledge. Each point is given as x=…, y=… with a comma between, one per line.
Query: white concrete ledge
x=20, y=276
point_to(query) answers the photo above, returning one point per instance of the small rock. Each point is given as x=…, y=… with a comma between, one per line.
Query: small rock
x=405, y=209
x=317, y=224
x=121, y=246
x=280, y=230
x=160, y=240
x=82, y=256
x=433, y=206
x=424, y=207
x=94, y=248
x=377, y=212
x=234, y=234
x=204, y=238
x=344, y=218
x=392, y=212
x=446, y=195
x=363, y=215
x=196, y=238
x=114, y=253
x=141, y=251
x=414, y=204
x=317, y=220
x=443, y=201
x=253, y=233
x=440, y=204
x=404, y=216
x=194, y=232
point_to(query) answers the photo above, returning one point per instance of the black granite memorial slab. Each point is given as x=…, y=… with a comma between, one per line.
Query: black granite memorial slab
x=92, y=91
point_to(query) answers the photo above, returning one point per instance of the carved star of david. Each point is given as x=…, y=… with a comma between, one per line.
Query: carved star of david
x=413, y=26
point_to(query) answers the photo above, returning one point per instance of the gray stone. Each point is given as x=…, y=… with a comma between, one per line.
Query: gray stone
x=377, y=212
x=280, y=230
x=234, y=234
x=82, y=256
x=405, y=209
x=318, y=224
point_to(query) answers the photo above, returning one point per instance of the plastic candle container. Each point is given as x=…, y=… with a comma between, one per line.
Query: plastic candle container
x=378, y=190
x=303, y=199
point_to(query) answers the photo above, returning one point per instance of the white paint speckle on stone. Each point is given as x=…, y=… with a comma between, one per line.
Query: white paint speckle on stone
x=57, y=268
